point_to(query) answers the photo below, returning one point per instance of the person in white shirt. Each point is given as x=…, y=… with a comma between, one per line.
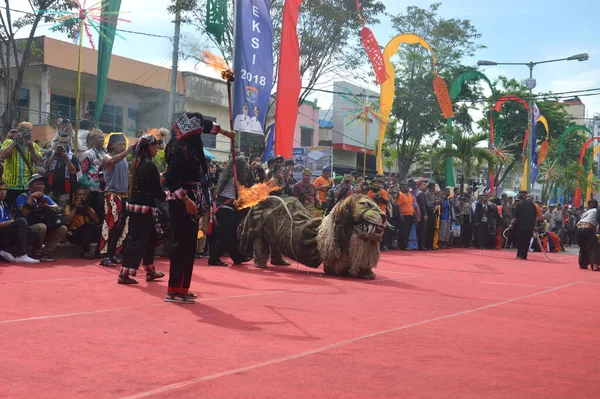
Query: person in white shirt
x=242, y=121
x=255, y=126
x=586, y=236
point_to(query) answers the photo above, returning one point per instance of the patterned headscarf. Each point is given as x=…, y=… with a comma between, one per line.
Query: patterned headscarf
x=190, y=124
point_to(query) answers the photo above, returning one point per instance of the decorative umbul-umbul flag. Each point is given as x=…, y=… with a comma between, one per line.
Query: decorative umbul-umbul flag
x=253, y=65
x=289, y=82
x=535, y=112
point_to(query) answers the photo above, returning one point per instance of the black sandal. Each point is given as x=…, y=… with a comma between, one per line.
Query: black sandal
x=127, y=280
x=154, y=275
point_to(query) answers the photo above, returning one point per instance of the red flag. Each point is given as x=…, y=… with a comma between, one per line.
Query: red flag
x=375, y=55
x=289, y=82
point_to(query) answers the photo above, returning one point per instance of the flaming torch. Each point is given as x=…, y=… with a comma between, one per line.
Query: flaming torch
x=220, y=65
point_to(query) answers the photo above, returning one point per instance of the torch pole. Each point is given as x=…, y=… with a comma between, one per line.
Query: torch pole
x=235, y=177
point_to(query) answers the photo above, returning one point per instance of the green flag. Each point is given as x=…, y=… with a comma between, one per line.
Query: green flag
x=216, y=18
x=108, y=29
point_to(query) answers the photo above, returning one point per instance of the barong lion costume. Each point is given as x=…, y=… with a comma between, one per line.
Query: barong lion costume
x=346, y=241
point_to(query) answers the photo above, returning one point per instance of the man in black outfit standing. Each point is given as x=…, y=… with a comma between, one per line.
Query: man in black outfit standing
x=523, y=224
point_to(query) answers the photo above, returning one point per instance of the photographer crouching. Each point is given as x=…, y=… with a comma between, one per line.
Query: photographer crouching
x=44, y=216
x=83, y=223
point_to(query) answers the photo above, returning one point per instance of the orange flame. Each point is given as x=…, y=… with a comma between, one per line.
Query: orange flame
x=249, y=197
x=214, y=61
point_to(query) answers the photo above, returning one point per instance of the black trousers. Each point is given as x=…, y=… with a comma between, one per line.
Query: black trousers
x=184, y=239
x=84, y=235
x=406, y=227
x=141, y=238
x=422, y=233
x=430, y=230
x=523, y=238
x=13, y=238
x=482, y=235
x=226, y=236
x=466, y=231
x=587, y=241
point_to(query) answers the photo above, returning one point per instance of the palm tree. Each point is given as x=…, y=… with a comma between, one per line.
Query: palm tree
x=467, y=151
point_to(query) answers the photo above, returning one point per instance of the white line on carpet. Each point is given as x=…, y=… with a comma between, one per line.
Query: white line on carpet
x=172, y=387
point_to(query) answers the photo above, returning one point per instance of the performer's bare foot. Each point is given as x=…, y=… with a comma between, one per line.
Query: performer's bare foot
x=280, y=262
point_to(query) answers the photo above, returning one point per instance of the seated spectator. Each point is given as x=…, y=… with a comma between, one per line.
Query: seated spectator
x=42, y=216
x=83, y=223
x=13, y=234
x=61, y=167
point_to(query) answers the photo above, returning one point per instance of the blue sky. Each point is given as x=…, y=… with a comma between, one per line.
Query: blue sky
x=512, y=30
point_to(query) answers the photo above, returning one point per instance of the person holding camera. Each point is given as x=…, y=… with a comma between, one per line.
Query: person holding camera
x=345, y=189
x=44, y=216
x=21, y=156
x=82, y=222
x=61, y=167
x=257, y=173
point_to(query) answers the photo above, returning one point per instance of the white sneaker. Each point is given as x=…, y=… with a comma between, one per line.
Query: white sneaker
x=26, y=259
x=7, y=256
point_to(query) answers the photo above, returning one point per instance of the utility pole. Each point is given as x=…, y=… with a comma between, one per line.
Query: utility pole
x=173, y=92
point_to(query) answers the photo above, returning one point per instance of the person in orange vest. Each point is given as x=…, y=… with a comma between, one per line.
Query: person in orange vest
x=406, y=205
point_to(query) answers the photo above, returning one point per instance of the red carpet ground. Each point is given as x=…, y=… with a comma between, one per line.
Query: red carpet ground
x=458, y=323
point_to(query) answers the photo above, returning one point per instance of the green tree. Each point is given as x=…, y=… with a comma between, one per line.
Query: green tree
x=511, y=123
x=415, y=107
x=327, y=32
x=16, y=54
x=468, y=152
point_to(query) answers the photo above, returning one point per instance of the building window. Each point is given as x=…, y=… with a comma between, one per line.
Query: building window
x=23, y=105
x=132, y=122
x=306, y=137
x=64, y=106
x=209, y=140
x=111, y=119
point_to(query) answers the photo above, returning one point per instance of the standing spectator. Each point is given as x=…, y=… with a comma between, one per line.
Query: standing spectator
x=82, y=222
x=432, y=225
x=381, y=198
x=322, y=184
x=465, y=217
x=523, y=224
x=481, y=219
x=13, y=234
x=91, y=166
x=344, y=190
x=446, y=217
x=35, y=206
x=424, y=219
x=116, y=176
x=406, y=209
x=558, y=222
x=21, y=156
x=61, y=167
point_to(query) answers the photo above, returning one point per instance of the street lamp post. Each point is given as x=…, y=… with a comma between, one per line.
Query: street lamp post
x=531, y=83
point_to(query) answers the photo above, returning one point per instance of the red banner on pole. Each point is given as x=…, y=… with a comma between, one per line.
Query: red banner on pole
x=289, y=82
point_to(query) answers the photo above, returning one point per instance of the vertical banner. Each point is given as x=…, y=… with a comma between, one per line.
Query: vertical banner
x=535, y=117
x=289, y=81
x=268, y=151
x=253, y=65
x=108, y=30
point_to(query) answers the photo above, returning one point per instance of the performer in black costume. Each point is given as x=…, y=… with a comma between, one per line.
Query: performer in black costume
x=144, y=189
x=187, y=181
